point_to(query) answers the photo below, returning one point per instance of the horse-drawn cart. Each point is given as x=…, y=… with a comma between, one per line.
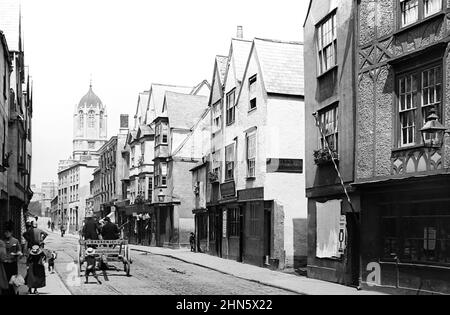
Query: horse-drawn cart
x=117, y=251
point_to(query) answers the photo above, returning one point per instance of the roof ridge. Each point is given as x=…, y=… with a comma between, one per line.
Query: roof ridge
x=279, y=41
x=171, y=85
x=186, y=94
x=242, y=40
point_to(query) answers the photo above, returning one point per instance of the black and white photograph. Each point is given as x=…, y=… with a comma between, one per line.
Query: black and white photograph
x=224, y=153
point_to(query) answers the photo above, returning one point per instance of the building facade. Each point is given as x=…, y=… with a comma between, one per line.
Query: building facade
x=73, y=191
x=90, y=126
x=330, y=94
x=403, y=69
x=255, y=212
x=176, y=152
x=18, y=153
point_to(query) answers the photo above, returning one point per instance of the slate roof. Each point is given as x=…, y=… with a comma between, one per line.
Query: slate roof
x=157, y=97
x=281, y=66
x=142, y=104
x=144, y=130
x=184, y=110
x=10, y=22
x=241, y=51
x=222, y=62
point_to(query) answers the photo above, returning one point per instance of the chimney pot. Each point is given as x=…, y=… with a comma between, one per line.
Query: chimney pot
x=240, y=32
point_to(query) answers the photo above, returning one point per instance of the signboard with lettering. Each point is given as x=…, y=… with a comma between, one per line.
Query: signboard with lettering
x=284, y=166
x=228, y=189
x=224, y=223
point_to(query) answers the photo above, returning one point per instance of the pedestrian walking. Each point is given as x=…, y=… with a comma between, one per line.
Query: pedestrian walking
x=35, y=278
x=13, y=252
x=63, y=230
x=91, y=265
x=49, y=224
x=52, y=226
x=192, y=241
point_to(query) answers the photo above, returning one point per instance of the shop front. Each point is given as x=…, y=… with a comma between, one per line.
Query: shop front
x=406, y=241
x=138, y=223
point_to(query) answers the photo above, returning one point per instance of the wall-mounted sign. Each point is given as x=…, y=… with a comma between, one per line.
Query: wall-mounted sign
x=228, y=189
x=342, y=237
x=284, y=166
x=251, y=194
x=224, y=223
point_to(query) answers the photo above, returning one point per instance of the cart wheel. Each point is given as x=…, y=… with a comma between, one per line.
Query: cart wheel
x=126, y=267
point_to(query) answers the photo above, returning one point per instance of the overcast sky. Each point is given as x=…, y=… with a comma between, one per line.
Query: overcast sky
x=127, y=45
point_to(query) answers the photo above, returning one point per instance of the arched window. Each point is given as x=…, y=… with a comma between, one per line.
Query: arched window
x=101, y=120
x=91, y=119
x=81, y=119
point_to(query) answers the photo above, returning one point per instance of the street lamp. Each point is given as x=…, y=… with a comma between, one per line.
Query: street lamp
x=161, y=196
x=433, y=131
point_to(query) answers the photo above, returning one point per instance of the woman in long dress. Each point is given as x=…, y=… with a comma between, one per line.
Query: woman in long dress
x=4, y=281
x=35, y=278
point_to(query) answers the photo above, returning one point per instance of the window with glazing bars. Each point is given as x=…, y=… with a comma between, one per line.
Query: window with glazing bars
x=412, y=11
x=329, y=122
x=327, y=44
x=231, y=110
x=418, y=93
x=229, y=162
x=251, y=155
x=234, y=222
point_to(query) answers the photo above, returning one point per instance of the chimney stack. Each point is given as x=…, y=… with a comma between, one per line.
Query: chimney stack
x=240, y=32
x=124, y=123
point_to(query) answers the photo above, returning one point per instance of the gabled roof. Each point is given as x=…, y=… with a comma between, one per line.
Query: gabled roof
x=157, y=92
x=221, y=63
x=184, y=110
x=196, y=89
x=142, y=104
x=144, y=130
x=281, y=65
x=132, y=134
x=240, y=50
x=10, y=23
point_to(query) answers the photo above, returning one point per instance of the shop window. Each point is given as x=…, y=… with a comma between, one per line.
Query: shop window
x=234, y=222
x=419, y=92
x=212, y=227
x=417, y=239
x=327, y=44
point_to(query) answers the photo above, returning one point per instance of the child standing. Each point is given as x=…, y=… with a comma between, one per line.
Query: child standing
x=91, y=262
x=51, y=261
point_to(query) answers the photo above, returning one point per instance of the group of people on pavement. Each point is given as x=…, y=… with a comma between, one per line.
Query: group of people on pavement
x=11, y=252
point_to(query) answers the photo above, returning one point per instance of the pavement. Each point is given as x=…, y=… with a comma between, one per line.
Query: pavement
x=54, y=284
x=275, y=279
x=293, y=283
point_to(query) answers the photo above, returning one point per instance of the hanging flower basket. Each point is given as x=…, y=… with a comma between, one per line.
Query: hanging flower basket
x=213, y=178
x=323, y=157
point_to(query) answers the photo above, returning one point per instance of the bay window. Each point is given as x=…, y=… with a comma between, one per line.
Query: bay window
x=216, y=165
x=161, y=133
x=419, y=92
x=161, y=174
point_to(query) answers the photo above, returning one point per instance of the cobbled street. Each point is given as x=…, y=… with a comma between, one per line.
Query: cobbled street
x=150, y=274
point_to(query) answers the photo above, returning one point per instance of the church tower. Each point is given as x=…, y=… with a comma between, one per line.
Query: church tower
x=90, y=126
